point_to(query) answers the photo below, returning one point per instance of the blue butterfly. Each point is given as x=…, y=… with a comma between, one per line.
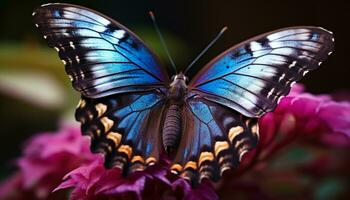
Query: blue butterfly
x=134, y=113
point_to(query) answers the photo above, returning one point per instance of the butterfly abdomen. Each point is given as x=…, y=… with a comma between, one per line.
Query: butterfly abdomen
x=172, y=127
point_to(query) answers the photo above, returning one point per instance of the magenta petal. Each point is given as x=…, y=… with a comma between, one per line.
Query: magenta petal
x=33, y=171
x=336, y=116
x=67, y=140
x=267, y=128
x=83, y=179
x=87, y=170
x=161, y=176
x=10, y=186
x=88, y=175
x=296, y=89
x=78, y=194
x=157, y=173
x=304, y=106
x=203, y=191
x=109, y=180
x=65, y=184
x=287, y=124
x=135, y=187
x=181, y=186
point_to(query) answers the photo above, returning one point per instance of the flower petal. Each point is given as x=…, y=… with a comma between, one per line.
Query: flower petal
x=336, y=116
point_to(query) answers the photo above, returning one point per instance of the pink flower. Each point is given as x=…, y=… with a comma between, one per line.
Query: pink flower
x=47, y=157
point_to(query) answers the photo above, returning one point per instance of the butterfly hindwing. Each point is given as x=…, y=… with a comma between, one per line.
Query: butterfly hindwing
x=120, y=127
x=251, y=76
x=213, y=140
x=101, y=56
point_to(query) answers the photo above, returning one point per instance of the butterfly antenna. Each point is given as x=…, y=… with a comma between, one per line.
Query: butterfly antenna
x=206, y=49
x=162, y=40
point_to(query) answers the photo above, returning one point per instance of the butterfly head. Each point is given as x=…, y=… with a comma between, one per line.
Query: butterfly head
x=178, y=77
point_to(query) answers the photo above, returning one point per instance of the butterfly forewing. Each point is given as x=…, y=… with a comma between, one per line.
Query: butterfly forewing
x=251, y=76
x=101, y=56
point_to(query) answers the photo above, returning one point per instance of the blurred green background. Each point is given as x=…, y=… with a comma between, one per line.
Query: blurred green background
x=37, y=96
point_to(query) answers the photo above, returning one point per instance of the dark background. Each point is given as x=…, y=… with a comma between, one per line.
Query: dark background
x=194, y=23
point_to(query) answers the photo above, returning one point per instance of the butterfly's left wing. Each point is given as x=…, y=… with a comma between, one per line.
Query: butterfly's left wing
x=251, y=76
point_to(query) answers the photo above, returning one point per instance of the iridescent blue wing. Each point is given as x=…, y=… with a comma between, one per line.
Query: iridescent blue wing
x=124, y=127
x=213, y=139
x=252, y=76
x=101, y=56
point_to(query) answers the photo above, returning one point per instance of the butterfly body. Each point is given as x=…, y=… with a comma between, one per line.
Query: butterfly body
x=171, y=132
x=132, y=111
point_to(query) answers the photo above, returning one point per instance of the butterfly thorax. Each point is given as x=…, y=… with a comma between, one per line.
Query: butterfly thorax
x=178, y=89
x=172, y=122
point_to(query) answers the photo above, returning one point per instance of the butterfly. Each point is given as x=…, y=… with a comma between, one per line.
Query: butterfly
x=134, y=113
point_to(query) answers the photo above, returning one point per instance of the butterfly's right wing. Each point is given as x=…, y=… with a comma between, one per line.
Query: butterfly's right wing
x=121, y=82
x=101, y=56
